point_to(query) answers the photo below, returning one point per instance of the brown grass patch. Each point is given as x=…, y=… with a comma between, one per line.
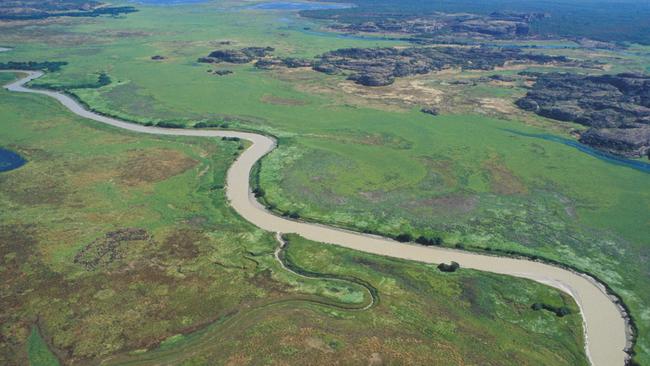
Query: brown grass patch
x=409, y=91
x=151, y=166
x=318, y=344
x=502, y=180
x=183, y=243
x=454, y=203
x=31, y=186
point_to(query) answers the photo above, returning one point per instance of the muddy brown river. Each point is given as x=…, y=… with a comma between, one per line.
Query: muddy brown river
x=605, y=325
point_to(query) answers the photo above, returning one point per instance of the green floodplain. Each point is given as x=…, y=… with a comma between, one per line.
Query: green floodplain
x=121, y=249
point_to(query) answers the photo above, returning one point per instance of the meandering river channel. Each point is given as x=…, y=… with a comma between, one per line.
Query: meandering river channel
x=606, y=327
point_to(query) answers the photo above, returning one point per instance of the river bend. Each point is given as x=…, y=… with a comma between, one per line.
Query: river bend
x=606, y=328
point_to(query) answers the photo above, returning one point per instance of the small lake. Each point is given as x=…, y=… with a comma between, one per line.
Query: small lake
x=601, y=155
x=10, y=160
x=297, y=6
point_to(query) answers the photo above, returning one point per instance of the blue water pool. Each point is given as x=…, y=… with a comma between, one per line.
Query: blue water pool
x=10, y=160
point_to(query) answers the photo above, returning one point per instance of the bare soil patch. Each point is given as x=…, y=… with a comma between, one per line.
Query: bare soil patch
x=498, y=104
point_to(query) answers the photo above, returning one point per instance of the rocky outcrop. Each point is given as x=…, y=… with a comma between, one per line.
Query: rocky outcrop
x=241, y=56
x=293, y=63
x=616, y=107
x=267, y=63
x=632, y=142
x=372, y=79
x=502, y=25
x=430, y=110
x=380, y=66
x=220, y=72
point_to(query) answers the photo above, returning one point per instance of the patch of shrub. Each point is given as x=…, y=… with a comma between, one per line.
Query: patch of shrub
x=170, y=125
x=207, y=125
x=453, y=267
x=291, y=214
x=50, y=66
x=404, y=238
x=558, y=311
x=428, y=241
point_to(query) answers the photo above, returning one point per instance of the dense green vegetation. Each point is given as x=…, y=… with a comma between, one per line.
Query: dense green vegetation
x=105, y=231
x=349, y=157
x=38, y=351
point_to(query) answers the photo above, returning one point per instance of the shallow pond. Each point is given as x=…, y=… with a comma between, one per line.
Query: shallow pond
x=10, y=160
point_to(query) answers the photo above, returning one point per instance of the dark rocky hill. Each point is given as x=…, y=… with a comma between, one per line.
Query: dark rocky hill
x=616, y=107
x=380, y=66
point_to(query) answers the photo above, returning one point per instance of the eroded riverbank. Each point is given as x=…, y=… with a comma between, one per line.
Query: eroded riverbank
x=605, y=325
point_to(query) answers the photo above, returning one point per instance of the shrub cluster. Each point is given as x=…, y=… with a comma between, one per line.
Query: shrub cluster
x=211, y=125
x=165, y=124
x=50, y=66
x=559, y=311
x=444, y=267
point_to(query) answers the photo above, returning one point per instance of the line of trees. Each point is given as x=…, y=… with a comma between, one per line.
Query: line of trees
x=423, y=240
x=211, y=125
x=50, y=66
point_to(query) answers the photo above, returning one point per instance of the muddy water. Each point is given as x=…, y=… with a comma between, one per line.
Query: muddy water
x=605, y=326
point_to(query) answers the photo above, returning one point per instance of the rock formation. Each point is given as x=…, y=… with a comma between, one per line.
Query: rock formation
x=616, y=107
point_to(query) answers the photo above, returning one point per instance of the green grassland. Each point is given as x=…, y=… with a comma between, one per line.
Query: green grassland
x=203, y=286
x=363, y=164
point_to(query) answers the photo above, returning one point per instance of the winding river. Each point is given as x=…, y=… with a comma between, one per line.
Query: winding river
x=606, y=328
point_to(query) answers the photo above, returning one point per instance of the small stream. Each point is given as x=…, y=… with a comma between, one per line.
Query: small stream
x=639, y=165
